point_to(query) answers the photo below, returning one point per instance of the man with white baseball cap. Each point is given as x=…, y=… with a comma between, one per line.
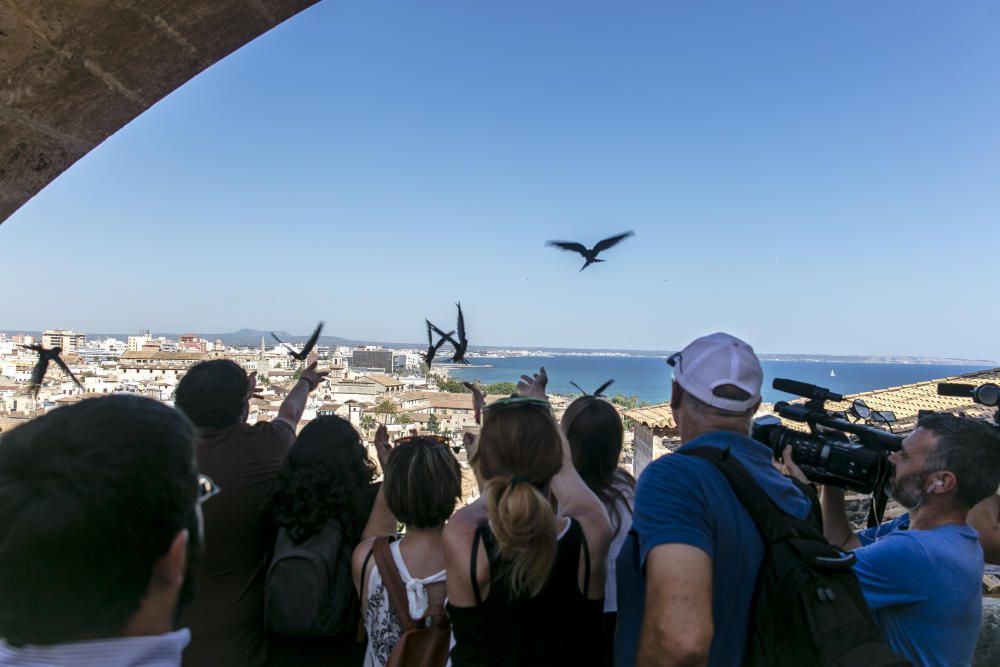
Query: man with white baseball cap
x=687, y=572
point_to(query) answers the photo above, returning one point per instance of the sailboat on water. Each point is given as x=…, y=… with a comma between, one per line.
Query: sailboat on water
x=832, y=374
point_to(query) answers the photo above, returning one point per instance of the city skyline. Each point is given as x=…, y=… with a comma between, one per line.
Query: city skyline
x=806, y=177
x=246, y=338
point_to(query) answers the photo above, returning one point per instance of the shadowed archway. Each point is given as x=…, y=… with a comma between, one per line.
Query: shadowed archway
x=73, y=72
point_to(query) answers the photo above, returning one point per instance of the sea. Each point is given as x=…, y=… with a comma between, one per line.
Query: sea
x=648, y=378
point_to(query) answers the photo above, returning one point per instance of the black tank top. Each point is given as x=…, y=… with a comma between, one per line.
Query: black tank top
x=559, y=626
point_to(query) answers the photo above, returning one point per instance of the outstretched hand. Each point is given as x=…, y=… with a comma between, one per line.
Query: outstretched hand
x=478, y=401
x=312, y=376
x=534, y=386
x=252, y=390
x=382, y=446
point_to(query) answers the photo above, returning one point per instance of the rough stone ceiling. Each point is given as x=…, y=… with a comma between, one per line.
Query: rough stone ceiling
x=73, y=72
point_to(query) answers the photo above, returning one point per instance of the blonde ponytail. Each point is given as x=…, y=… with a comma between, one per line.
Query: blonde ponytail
x=524, y=525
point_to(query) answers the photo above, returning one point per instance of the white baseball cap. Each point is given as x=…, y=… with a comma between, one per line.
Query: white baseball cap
x=715, y=360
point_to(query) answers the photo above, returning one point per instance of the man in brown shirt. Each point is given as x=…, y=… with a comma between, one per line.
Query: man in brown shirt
x=226, y=618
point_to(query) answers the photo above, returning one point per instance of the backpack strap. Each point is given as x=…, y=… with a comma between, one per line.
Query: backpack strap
x=393, y=583
x=774, y=524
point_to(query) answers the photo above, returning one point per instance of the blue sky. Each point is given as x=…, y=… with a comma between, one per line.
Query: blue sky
x=815, y=177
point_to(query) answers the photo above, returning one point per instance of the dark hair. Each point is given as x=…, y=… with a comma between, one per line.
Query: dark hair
x=326, y=475
x=213, y=393
x=422, y=483
x=970, y=449
x=91, y=496
x=595, y=434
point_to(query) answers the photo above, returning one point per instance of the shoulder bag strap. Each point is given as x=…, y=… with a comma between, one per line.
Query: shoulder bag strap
x=393, y=583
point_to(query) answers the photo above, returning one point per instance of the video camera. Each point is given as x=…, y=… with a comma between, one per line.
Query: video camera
x=985, y=394
x=828, y=458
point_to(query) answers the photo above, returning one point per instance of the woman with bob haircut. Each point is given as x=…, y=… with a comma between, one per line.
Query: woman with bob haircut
x=525, y=583
x=327, y=476
x=422, y=483
x=596, y=434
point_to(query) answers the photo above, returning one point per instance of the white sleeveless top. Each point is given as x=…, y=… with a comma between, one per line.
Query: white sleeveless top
x=380, y=618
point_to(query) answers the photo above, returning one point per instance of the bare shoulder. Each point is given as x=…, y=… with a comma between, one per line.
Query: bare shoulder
x=461, y=528
x=596, y=527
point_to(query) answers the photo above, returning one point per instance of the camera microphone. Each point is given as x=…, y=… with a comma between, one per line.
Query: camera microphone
x=955, y=389
x=805, y=390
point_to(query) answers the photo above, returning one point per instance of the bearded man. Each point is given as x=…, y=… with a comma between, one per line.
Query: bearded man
x=921, y=573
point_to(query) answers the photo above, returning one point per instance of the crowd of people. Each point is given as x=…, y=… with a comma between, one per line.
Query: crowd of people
x=133, y=533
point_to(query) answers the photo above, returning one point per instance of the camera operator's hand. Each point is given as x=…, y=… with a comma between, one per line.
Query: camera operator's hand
x=788, y=467
x=534, y=386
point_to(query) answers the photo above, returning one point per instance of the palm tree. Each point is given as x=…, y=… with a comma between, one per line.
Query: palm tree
x=404, y=418
x=386, y=409
x=367, y=424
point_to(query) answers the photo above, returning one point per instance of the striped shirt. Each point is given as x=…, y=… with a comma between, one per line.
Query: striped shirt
x=151, y=651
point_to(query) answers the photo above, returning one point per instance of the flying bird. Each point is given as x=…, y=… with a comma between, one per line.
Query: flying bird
x=307, y=348
x=463, y=342
x=433, y=347
x=596, y=394
x=38, y=372
x=590, y=254
x=462, y=345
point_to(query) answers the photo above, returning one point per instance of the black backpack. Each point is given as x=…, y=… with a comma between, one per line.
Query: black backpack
x=808, y=608
x=309, y=591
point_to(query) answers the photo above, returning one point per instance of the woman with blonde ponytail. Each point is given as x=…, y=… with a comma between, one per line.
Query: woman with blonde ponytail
x=525, y=582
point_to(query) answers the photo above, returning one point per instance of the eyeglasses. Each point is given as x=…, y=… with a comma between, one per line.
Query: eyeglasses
x=440, y=439
x=207, y=488
x=517, y=400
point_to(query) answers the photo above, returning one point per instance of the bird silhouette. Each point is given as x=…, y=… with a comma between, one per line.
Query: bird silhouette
x=590, y=254
x=38, y=372
x=596, y=394
x=433, y=347
x=462, y=345
x=307, y=348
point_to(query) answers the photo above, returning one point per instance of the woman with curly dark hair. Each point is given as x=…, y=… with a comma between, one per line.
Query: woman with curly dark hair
x=327, y=478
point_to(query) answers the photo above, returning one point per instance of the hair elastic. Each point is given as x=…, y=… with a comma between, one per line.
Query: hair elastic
x=516, y=479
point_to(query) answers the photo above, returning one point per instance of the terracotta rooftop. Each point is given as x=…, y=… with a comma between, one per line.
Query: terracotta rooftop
x=385, y=380
x=657, y=417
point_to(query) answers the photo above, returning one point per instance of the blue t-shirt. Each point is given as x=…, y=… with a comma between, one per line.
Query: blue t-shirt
x=687, y=500
x=924, y=589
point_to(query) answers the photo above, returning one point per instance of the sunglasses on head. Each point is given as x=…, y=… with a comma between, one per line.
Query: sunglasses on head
x=515, y=401
x=440, y=439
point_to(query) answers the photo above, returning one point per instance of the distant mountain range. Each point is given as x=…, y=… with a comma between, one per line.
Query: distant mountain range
x=251, y=338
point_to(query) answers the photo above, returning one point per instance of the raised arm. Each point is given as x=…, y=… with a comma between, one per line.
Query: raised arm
x=295, y=403
x=380, y=521
x=985, y=518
